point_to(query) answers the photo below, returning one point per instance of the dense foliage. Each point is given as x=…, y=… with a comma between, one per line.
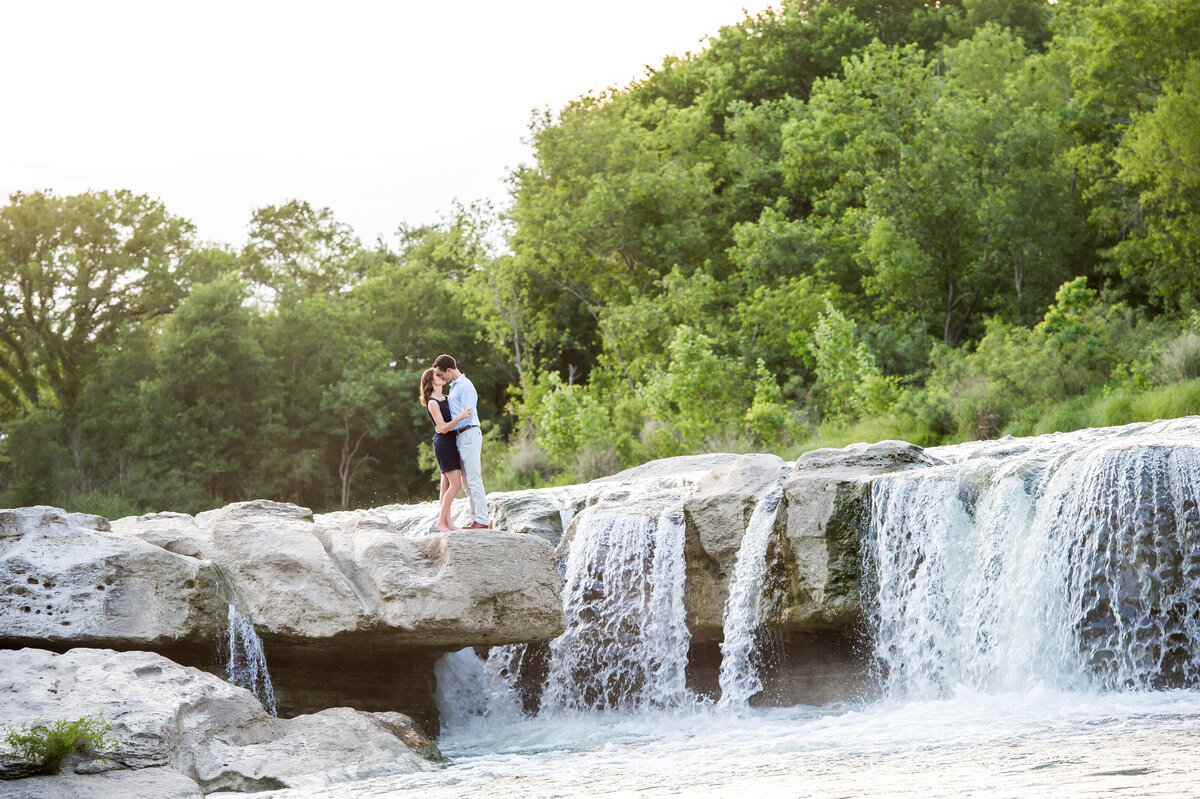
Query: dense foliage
x=841, y=219
x=46, y=747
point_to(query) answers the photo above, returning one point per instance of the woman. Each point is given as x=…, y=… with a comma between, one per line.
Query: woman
x=444, y=446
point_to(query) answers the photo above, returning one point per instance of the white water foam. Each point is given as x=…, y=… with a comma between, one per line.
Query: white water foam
x=1028, y=744
x=460, y=695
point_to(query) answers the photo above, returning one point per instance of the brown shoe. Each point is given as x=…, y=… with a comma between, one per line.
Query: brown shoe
x=476, y=526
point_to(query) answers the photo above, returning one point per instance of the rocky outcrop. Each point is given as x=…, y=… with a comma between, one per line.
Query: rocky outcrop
x=309, y=579
x=355, y=607
x=544, y=512
x=171, y=721
x=68, y=580
x=716, y=517
x=812, y=582
x=162, y=782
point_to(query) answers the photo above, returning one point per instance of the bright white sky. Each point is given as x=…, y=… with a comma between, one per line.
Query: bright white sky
x=383, y=111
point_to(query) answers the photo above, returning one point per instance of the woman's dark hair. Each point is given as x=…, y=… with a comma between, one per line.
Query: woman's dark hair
x=426, y=387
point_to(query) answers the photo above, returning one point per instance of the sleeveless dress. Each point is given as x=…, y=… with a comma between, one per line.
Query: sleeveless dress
x=445, y=447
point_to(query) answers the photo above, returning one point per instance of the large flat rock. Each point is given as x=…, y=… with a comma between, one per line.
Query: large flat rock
x=170, y=719
x=67, y=579
x=368, y=575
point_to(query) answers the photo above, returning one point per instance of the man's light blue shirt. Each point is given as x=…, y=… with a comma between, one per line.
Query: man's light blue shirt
x=463, y=395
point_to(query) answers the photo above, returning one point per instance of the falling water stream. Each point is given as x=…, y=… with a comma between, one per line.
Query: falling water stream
x=1033, y=610
x=245, y=661
x=740, y=657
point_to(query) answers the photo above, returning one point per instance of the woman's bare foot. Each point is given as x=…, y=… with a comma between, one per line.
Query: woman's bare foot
x=441, y=528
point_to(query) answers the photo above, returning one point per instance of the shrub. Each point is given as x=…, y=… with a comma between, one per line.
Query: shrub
x=595, y=461
x=522, y=464
x=848, y=381
x=1181, y=361
x=108, y=504
x=701, y=394
x=767, y=418
x=569, y=420
x=49, y=746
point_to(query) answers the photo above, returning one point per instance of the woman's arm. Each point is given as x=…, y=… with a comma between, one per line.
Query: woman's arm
x=446, y=425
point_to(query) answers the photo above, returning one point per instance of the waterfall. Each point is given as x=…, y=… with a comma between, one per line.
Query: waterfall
x=502, y=677
x=1073, y=562
x=460, y=693
x=740, y=657
x=245, y=661
x=565, y=515
x=626, y=641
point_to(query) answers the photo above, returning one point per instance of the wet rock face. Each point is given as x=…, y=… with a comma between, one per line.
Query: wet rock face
x=67, y=579
x=171, y=721
x=716, y=518
x=813, y=579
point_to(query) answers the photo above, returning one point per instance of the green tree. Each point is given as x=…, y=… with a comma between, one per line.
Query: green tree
x=848, y=381
x=73, y=271
x=362, y=400
x=201, y=413
x=938, y=184
x=1133, y=81
x=296, y=250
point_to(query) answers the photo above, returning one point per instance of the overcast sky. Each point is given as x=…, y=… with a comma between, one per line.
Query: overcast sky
x=385, y=112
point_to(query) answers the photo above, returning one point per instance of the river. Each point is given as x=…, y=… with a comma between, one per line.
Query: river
x=1031, y=613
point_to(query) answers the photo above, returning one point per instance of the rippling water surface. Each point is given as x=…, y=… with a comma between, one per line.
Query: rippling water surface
x=1048, y=744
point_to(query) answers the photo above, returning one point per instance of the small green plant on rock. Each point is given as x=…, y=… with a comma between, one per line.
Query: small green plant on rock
x=48, y=746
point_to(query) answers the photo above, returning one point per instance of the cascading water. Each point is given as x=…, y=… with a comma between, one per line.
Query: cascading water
x=460, y=695
x=245, y=661
x=1007, y=592
x=1072, y=563
x=626, y=641
x=740, y=657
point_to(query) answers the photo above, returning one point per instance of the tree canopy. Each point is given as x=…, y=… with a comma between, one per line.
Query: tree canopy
x=839, y=219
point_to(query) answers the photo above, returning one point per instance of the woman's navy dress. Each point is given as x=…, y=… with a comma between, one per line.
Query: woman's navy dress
x=445, y=445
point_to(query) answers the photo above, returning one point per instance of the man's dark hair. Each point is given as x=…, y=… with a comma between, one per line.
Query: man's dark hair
x=444, y=362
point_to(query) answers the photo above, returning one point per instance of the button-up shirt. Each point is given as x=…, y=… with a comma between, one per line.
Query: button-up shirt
x=463, y=395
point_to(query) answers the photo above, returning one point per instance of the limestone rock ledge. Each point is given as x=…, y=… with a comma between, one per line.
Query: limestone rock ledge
x=68, y=579
x=176, y=725
x=309, y=579
x=813, y=580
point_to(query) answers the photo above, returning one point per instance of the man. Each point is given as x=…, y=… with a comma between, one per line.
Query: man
x=468, y=436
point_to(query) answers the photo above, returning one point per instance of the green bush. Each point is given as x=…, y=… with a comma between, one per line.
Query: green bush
x=569, y=419
x=768, y=418
x=701, y=395
x=1181, y=361
x=49, y=746
x=108, y=504
x=848, y=381
x=520, y=464
x=1118, y=407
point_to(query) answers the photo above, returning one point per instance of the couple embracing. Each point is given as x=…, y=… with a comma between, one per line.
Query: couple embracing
x=458, y=441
